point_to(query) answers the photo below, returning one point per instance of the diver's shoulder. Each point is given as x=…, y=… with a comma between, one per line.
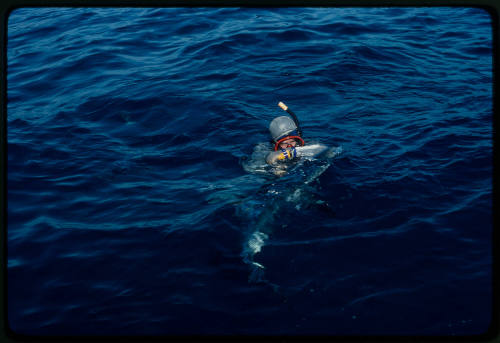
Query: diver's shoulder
x=311, y=149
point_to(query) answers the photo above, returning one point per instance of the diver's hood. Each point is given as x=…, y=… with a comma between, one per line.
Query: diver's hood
x=283, y=128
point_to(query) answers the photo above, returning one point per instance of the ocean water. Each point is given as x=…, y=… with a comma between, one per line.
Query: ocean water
x=138, y=202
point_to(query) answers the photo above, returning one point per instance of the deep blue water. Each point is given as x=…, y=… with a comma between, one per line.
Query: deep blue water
x=129, y=133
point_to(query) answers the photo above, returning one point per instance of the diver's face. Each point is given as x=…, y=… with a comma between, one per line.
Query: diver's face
x=289, y=143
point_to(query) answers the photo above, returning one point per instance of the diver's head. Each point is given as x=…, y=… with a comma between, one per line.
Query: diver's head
x=283, y=129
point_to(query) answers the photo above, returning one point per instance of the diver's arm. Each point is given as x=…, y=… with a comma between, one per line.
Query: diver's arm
x=280, y=156
x=272, y=157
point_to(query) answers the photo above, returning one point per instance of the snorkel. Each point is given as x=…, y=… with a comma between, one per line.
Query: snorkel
x=294, y=117
x=294, y=133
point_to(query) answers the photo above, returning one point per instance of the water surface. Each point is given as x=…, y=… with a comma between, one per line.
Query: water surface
x=130, y=200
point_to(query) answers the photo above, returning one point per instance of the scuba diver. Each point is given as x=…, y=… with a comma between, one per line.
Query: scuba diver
x=295, y=194
x=286, y=136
